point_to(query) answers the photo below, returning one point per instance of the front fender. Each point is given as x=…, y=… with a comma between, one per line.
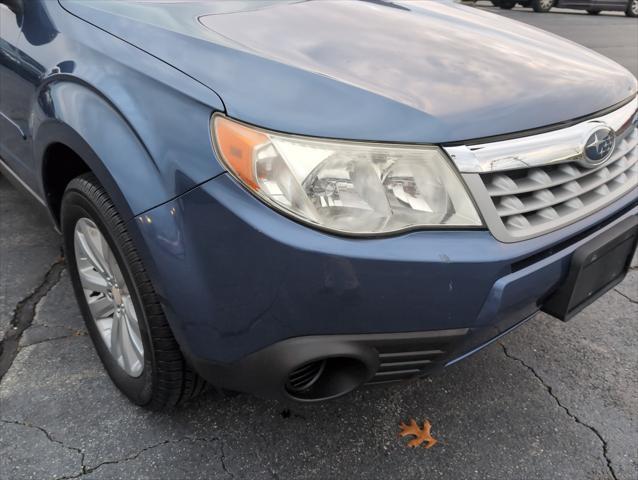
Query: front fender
x=78, y=117
x=142, y=157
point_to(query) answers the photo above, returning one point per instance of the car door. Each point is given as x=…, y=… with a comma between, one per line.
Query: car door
x=25, y=29
x=577, y=4
x=609, y=4
x=10, y=131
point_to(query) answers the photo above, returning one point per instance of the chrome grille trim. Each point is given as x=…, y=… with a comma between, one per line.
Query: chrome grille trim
x=566, y=172
x=524, y=202
x=557, y=146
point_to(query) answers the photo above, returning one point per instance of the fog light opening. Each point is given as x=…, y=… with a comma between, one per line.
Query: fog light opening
x=306, y=376
x=325, y=378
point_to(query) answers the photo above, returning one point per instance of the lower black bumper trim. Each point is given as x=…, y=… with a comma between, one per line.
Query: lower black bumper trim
x=352, y=361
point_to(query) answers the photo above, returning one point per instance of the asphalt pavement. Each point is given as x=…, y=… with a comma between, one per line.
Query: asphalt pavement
x=550, y=401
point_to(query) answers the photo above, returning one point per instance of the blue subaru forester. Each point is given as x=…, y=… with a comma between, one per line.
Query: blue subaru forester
x=296, y=198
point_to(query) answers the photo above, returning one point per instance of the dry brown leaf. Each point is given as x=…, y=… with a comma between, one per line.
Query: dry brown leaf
x=421, y=434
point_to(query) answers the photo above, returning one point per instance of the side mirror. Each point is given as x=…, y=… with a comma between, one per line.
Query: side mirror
x=16, y=6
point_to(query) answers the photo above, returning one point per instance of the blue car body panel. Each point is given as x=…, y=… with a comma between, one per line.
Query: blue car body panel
x=426, y=72
x=282, y=280
x=134, y=119
x=131, y=88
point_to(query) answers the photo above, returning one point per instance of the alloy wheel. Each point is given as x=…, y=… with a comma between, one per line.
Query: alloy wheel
x=108, y=297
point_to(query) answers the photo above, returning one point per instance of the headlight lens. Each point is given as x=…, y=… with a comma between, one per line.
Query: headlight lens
x=347, y=187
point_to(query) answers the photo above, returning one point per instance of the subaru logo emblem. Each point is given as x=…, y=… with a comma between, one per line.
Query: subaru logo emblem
x=599, y=146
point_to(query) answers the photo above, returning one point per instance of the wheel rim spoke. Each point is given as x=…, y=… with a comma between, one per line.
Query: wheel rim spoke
x=111, y=263
x=92, y=280
x=108, y=298
x=131, y=321
x=125, y=345
x=89, y=248
x=130, y=354
x=101, y=307
x=116, y=344
x=117, y=275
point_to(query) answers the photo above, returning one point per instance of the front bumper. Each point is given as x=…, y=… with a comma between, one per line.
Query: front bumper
x=239, y=281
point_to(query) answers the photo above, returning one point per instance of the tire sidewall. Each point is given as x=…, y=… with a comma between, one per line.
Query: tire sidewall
x=76, y=205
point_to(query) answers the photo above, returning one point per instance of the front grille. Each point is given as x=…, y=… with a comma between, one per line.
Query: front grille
x=534, y=200
x=526, y=186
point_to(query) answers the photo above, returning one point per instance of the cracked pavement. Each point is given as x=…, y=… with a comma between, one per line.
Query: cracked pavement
x=551, y=400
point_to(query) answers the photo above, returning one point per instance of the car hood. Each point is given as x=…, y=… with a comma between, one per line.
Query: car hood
x=371, y=70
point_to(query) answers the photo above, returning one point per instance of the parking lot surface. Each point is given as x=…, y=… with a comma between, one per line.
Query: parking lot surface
x=552, y=400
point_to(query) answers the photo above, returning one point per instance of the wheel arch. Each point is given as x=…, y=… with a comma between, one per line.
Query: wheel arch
x=77, y=130
x=60, y=165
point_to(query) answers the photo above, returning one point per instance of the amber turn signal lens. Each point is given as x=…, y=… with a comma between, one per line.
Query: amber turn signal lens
x=236, y=144
x=345, y=186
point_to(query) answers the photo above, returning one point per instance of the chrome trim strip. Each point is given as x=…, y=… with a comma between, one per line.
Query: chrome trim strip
x=558, y=146
x=4, y=168
x=14, y=125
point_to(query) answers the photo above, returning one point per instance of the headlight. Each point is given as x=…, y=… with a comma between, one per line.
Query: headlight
x=347, y=187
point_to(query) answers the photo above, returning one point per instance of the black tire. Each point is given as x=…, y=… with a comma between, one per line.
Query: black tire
x=166, y=379
x=593, y=12
x=632, y=8
x=542, y=6
x=495, y=3
x=506, y=4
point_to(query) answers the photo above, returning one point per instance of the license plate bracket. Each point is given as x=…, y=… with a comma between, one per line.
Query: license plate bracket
x=595, y=268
